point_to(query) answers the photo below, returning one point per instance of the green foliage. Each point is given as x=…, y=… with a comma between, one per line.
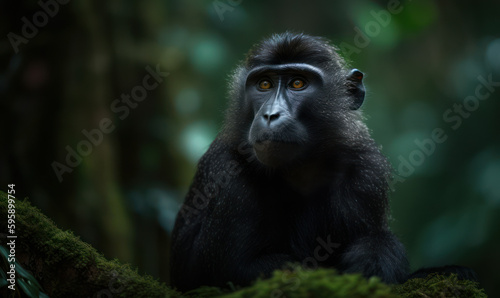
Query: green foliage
x=439, y=286
x=315, y=283
x=27, y=282
x=328, y=283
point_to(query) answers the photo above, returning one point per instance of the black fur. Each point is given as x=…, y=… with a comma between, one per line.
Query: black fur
x=326, y=207
x=286, y=48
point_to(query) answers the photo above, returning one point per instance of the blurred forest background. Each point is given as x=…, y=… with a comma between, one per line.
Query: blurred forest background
x=67, y=71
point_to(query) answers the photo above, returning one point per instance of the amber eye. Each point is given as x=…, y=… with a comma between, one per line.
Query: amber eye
x=297, y=84
x=264, y=84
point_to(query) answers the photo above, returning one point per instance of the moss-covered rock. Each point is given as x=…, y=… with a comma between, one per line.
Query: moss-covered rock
x=315, y=283
x=65, y=266
x=328, y=283
x=439, y=286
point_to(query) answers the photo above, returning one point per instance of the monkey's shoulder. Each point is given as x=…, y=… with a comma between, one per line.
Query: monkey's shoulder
x=217, y=156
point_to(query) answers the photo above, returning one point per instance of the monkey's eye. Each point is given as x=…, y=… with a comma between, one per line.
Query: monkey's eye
x=264, y=84
x=297, y=84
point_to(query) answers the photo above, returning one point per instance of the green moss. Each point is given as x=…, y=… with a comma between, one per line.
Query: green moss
x=328, y=283
x=64, y=265
x=315, y=283
x=439, y=286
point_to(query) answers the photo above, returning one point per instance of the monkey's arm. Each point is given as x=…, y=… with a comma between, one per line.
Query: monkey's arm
x=380, y=253
x=222, y=244
x=373, y=249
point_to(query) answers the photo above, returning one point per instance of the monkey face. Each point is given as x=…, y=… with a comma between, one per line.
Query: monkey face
x=277, y=95
x=292, y=104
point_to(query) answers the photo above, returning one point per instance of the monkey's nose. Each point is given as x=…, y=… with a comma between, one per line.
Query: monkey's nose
x=271, y=117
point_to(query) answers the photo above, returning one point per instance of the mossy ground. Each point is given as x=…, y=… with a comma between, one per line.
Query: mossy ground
x=328, y=283
x=65, y=266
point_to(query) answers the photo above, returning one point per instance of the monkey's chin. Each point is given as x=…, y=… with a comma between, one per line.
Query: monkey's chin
x=276, y=154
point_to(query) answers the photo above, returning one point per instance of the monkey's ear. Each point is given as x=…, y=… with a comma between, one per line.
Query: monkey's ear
x=356, y=88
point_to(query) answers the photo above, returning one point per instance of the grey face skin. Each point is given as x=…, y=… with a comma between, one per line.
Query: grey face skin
x=277, y=94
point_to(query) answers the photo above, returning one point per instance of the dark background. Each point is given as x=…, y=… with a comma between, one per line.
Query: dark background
x=123, y=196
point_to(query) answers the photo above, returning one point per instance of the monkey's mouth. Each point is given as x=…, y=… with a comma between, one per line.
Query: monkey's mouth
x=275, y=153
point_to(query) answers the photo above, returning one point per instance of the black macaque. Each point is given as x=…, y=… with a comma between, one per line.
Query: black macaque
x=293, y=177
